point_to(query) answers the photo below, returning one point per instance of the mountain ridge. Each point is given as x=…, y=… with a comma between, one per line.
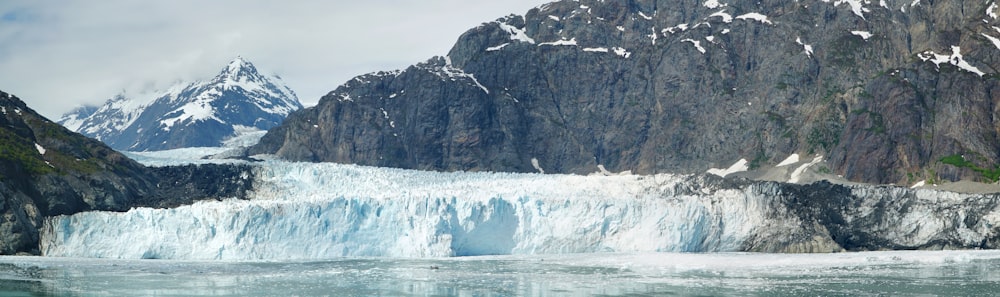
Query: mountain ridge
x=654, y=86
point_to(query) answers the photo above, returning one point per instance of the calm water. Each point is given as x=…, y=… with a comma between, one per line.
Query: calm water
x=855, y=274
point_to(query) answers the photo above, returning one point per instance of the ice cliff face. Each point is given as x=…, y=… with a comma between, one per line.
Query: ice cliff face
x=200, y=114
x=323, y=211
x=884, y=89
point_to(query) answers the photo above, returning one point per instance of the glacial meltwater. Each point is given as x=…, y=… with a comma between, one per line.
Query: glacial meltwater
x=924, y=273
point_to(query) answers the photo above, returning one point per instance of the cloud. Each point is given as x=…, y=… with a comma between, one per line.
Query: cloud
x=59, y=54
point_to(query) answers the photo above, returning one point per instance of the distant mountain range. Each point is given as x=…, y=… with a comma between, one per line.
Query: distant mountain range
x=199, y=114
x=887, y=91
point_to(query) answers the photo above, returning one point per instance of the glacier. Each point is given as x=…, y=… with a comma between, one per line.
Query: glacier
x=315, y=211
x=322, y=211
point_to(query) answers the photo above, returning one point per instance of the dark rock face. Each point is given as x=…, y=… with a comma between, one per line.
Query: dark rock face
x=201, y=114
x=668, y=86
x=868, y=218
x=47, y=170
x=182, y=185
x=824, y=217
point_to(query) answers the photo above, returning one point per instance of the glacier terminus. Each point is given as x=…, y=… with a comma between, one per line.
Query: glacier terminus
x=313, y=211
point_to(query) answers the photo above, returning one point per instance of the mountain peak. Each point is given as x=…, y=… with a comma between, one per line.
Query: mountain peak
x=239, y=66
x=201, y=113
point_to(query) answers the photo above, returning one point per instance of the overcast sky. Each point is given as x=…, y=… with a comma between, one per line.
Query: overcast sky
x=59, y=54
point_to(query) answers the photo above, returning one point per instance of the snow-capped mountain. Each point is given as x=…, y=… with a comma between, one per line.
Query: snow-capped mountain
x=199, y=114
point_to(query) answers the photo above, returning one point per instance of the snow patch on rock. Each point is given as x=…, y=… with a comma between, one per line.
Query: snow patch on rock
x=792, y=159
x=863, y=34
x=622, y=52
x=516, y=34
x=739, y=166
x=562, y=42
x=755, y=16
x=955, y=59
x=534, y=163
x=496, y=48
x=697, y=44
x=726, y=18
x=797, y=174
x=806, y=47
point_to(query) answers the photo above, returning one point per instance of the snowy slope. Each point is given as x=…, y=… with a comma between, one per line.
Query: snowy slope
x=198, y=114
x=76, y=118
x=239, y=77
x=107, y=121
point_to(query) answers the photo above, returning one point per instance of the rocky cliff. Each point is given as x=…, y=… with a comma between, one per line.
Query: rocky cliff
x=888, y=91
x=47, y=170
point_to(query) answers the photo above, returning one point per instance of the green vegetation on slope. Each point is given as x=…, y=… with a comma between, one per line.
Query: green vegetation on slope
x=16, y=149
x=959, y=161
